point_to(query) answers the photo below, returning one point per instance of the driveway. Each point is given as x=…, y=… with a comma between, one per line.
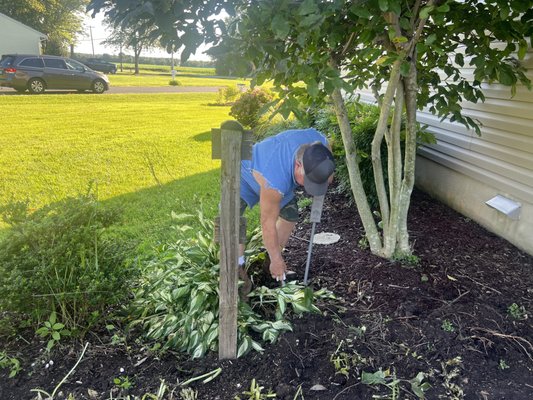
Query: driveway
x=132, y=89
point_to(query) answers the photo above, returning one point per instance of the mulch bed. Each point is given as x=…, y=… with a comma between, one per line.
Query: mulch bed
x=447, y=316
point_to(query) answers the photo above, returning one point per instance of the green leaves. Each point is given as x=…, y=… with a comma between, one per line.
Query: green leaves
x=12, y=363
x=425, y=11
x=383, y=5
x=280, y=26
x=52, y=329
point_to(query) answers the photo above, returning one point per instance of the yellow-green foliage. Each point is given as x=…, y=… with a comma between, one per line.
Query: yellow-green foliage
x=149, y=154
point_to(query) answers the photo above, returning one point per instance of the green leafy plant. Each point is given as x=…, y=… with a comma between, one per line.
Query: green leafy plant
x=174, y=82
x=248, y=108
x=12, y=363
x=54, y=330
x=227, y=95
x=62, y=258
x=256, y=393
x=410, y=260
x=385, y=378
x=503, y=365
x=304, y=202
x=517, y=312
x=177, y=301
x=123, y=382
x=389, y=380
x=447, y=326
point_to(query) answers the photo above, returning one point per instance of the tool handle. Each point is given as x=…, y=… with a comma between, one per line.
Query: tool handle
x=309, y=252
x=316, y=208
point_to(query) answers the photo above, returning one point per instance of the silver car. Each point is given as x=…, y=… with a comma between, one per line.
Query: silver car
x=37, y=73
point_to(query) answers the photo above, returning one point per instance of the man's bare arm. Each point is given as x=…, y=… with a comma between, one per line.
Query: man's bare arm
x=269, y=202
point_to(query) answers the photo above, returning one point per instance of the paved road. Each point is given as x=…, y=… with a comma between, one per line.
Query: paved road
x=132, y=89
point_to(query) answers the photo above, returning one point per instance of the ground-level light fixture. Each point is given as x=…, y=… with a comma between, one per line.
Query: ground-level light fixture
x=506, y=206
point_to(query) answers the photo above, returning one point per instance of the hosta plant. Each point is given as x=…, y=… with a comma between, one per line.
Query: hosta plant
x=176, y=302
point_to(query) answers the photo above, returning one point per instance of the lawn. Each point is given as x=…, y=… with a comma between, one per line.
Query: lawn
x=158, y=69
x=159, y=75
x=186, y=79
x=148, y=154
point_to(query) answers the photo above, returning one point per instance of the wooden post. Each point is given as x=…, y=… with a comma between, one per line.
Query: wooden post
x=227, y=144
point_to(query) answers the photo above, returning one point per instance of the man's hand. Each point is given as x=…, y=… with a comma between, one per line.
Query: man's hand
x=278, y=269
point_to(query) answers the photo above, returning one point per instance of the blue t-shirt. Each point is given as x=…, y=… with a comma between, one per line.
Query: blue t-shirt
x=274, y=159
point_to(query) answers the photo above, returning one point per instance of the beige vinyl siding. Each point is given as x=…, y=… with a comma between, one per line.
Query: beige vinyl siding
x=476, y=168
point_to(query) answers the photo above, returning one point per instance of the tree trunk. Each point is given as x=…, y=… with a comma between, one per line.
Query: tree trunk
x=389, y=232
x=411, y=89
x=356, y=183
x=137, y=52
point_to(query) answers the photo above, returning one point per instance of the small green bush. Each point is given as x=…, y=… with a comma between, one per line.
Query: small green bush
x=271, y=128
x=227, y=95
x=59, y=259
x=174, y=82
x=363, y=120
x=247, y=109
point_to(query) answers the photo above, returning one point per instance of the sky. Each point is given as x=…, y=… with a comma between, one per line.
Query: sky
x=100, y=34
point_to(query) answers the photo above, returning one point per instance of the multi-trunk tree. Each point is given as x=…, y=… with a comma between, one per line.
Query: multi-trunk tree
x=410, y=53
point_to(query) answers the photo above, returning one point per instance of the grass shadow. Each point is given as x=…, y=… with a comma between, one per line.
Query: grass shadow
x=203, y=137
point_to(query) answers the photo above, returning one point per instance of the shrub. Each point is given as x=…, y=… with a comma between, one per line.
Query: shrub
x=177, y=301
x=60, y=259
x=247, y=109
x=262, y=131
x=174, y=82
x=363, y=120
x=227, y=95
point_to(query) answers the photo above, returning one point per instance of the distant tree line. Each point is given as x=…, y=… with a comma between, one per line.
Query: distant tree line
x=146, y=60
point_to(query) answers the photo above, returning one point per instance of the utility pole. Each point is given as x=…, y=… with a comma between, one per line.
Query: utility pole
x=92, y=41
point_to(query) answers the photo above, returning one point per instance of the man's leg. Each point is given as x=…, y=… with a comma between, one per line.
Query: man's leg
x=284, y=229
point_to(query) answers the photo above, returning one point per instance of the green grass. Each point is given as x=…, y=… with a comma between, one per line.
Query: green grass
x=128, y=79
x=158, y=69
x=147, y=154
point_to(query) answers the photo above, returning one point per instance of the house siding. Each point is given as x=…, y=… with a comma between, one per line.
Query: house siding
x=16, y=37
x=465, y=170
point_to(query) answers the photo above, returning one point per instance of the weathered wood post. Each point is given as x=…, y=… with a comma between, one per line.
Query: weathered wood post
x=230, y=143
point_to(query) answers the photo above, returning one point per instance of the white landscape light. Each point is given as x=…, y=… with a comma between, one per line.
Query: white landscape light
x=506, y=206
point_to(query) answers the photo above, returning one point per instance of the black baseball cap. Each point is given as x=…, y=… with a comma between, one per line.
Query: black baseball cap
x=318, y=166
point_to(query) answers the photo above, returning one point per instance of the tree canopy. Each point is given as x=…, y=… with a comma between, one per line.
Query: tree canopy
x=179, y=25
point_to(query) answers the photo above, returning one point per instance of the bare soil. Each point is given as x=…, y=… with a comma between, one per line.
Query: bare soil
x=446, y=316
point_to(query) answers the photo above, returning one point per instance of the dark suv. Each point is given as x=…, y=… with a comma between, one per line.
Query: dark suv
x=100, y=65
x=38, y=73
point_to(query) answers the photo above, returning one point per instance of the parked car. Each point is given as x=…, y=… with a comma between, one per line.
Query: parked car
x=38, y=73
x=98, y=64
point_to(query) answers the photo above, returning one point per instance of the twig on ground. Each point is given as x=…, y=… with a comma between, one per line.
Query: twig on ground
x=517, y=339
x=479, y=283
x=345, y=389
x=292, y=351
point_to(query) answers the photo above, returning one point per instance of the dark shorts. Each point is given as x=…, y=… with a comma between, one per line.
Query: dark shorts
x=288, y=213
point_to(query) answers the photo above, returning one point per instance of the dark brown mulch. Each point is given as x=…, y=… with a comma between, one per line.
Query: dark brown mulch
x=447, y=317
